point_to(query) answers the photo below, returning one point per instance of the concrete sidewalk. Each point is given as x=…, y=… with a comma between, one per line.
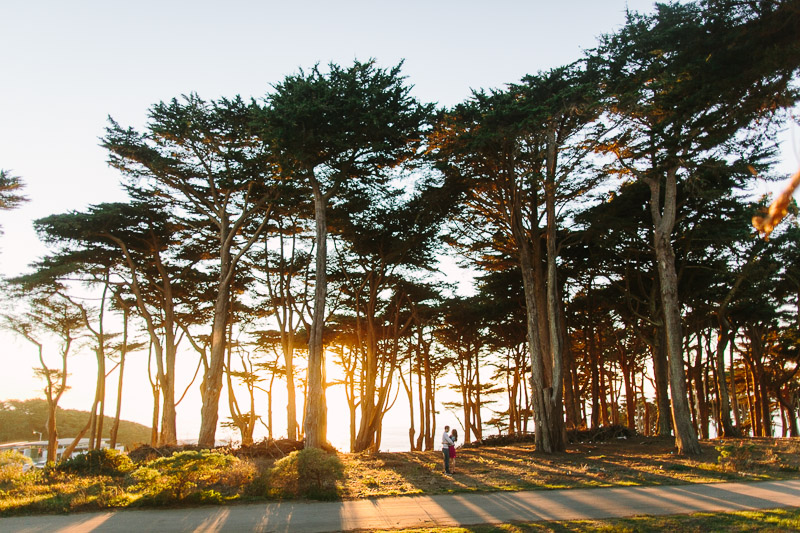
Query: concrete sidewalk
x=425, y=511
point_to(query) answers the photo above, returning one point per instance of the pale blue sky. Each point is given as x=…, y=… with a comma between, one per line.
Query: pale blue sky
x=66, y=66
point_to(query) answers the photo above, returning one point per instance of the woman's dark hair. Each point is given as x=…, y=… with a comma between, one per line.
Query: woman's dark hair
x=454, y=434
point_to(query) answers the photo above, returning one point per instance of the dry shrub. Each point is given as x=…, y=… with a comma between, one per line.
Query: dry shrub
x=736, y=457
x=239, y=474
x=310, y=473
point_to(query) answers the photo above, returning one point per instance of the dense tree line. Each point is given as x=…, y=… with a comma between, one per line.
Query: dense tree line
x=604, y=206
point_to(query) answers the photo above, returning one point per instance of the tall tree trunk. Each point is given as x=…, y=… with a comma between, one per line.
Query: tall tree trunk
x=156, y=412
x=657, y=343
x=762, y=411
x=155, y=388
x=315, y=420
x=53, y=392
x=169, y=430
x=647, y=416
x=166, y=373
x=380, y=363
x=211, y=387
x=52, y=431
x=365, y=440
x=244, y=422
x=614, y=396
x=546, y=400
x=118, y=411
x=165, y=351
x=420, y=396
x=595, y=373
x=663, y=222
x=291, y=399
x=477, y=428
x=692, y=399
x=554, y=302
x=544, y=436
x=122, y=353
x=510, y=375
x=466, y=405
x=604, y=394
x=166, y=354
x=755, y=421
x=409, y=388
x=352, y=408
x=766, y=408
x=734, y=392
x=721, y=384
x=626, y=366
x=572, y=412
x=430, y=405
x=98, y=405
x=269, y=411
x=284, y=313
x=700, y=390
x=661, y=378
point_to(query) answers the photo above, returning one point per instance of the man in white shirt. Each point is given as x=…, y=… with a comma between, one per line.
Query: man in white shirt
x=446, y=443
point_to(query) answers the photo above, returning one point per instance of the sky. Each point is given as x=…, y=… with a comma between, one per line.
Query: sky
x=67, y=66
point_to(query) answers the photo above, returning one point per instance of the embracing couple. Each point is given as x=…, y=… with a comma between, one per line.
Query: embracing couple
x=449, y=449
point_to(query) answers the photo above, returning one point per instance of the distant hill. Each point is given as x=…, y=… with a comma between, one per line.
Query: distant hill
x=19, y=419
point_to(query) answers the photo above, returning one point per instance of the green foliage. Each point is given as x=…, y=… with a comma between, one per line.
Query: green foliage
x=12, y=465
x=11, y=196
x=13, y=458
x=357, y=121
x=19, y=419
x=310, y=473
x=190, y=476
x=98, y=462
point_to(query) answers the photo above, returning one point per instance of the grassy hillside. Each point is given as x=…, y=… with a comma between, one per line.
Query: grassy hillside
x=20, y=419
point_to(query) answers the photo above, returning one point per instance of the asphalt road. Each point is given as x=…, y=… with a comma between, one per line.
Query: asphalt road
x=424, y=511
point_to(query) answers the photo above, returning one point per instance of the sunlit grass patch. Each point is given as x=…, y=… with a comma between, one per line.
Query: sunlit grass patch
x=593, y=465
x=66, y=494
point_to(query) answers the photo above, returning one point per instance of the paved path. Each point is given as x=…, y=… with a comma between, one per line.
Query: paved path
x=424, y=511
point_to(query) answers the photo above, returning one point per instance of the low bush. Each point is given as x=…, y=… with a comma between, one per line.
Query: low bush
x=191, y=475
x=104, y=462
x=13, y=465
x=310, y=473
